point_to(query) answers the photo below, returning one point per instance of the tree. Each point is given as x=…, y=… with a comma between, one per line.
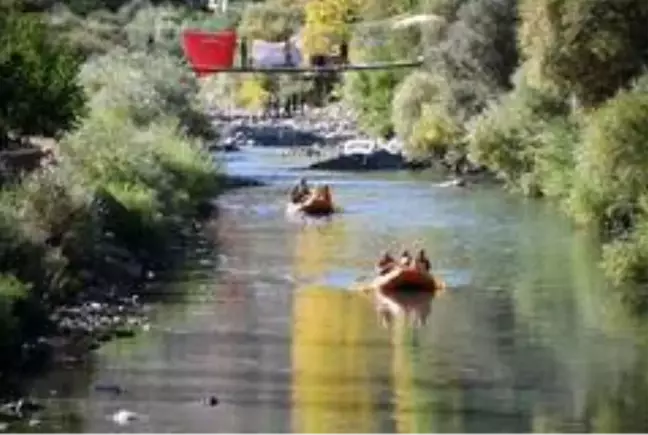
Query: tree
x=270, y=22
x=587, y=47
x=477, y=54
x=327, y=24
x=38, y=79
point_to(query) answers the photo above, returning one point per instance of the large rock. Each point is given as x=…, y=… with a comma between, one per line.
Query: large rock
x=377, y=161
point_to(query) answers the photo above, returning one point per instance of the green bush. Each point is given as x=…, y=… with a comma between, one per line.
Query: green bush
x=625, y=258
x=587, y=47
x=156, y=28
x=110, y=148
x=509, y=136
x=416, y=90
x=138, y=199
x=612, y=161
x=434, y=133
x=371, y=93
x=270, y=22
x=476, y=54
x=191, y=167
x=554, y=161
x=147, y=87
x=420, y=117
x=11, y=292
x=129, y=167
x=38, y=79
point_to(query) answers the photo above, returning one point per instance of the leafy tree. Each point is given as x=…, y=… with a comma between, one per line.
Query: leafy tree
x=414, y=92
x=589, y=47
x=270, y=22
x=327, y=24
x=38, y=85
x=612, y=161
x=477, y=55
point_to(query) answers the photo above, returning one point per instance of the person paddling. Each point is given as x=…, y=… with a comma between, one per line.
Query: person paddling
x=385, y=264
x=406, y=259
x=300, y=192
x=326, y=193
x=422, y=262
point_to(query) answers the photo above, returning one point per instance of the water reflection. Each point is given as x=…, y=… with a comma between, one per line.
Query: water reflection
x=528, y=337
x=332, y=345
x=337, y=356
x=403, y=314
x=317, y=247
x=413, y=308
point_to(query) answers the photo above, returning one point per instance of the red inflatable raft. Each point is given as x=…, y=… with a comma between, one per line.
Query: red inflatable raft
x=407, y=279
x=319, y=203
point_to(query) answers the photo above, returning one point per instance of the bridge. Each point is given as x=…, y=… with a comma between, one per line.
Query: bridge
x=204, y=69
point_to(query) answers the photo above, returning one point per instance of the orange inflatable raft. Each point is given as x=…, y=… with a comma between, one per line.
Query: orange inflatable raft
x=407, y=279
x=316, y=204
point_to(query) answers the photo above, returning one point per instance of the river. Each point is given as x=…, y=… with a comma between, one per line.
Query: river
x=528, y=337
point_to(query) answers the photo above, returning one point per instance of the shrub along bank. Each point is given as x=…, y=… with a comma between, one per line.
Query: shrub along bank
x=549, y=95
x=77, y=235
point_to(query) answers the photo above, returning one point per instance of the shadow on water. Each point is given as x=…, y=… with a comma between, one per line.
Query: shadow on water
x=527, y=338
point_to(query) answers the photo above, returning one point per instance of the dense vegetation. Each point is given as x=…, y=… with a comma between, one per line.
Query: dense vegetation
x=550, y=95
x=128, y=129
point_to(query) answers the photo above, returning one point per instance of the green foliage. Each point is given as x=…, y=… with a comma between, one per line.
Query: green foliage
x=625, y=257
x=420, y=117
x=508, y=137
x=470, y=53
x=371, y=93
x=146, y=86
x=555, y=160
x=611, y=164
x=130, y=166
x=11, y=292
x=538, y=128
x=270, y=22
x=476, y=55
x=435, y=132
x=138, y=199
x=444, y=8
x=38, y=84
x=588, y=47
x=96, y=33
x=85, y=8
x=416, y=90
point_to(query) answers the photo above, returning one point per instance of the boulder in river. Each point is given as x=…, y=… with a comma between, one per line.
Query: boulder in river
x=378, y=161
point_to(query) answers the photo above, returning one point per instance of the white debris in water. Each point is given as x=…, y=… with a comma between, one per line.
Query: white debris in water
x=4, y=426
x=33, y=422
x=123, y=417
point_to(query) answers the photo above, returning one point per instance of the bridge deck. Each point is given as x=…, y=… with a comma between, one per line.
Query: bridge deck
x=298, y=70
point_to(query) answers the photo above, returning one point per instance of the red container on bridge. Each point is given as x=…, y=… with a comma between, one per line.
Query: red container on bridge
x=209, y=51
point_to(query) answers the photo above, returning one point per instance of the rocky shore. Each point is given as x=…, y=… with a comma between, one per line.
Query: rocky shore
x=317, y=134
x=114, y=308
x=115, y=303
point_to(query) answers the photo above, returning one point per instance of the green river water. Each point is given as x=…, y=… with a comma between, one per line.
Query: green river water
x=528, y=336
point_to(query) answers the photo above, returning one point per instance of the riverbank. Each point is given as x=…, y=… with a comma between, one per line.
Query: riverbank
x=114, y=285
x=86, y=232
x=314, y=138
x=252, y=316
